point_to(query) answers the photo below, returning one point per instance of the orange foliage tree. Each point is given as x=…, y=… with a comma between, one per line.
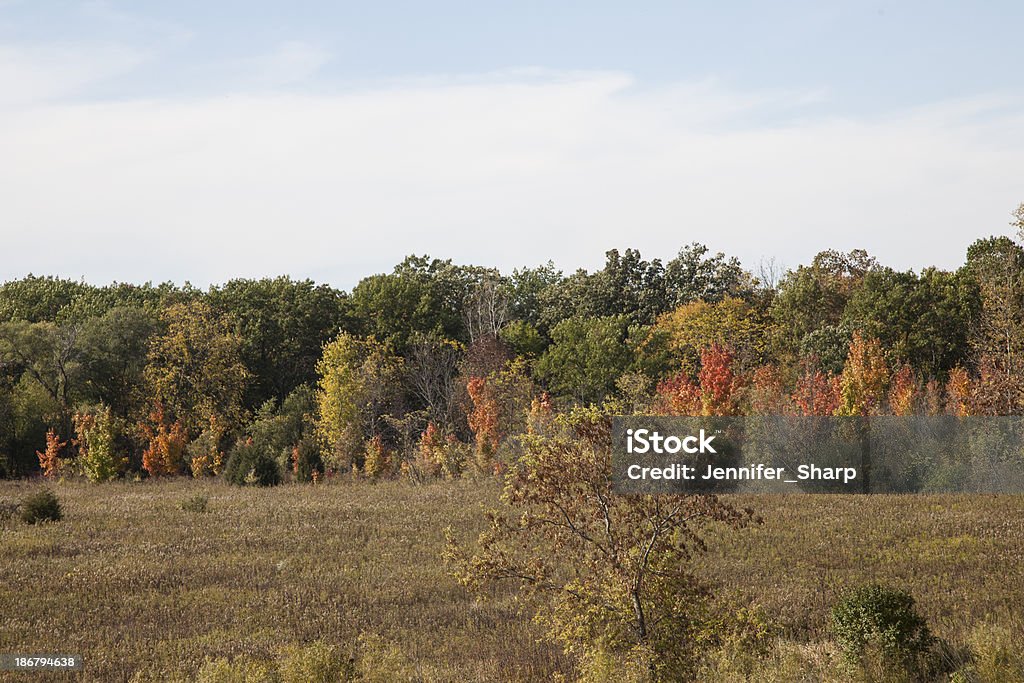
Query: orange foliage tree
x=49, y=460
x=958, y=392
x=483, y=419
x=864, y=379
x=165, y=452
x=904, y=392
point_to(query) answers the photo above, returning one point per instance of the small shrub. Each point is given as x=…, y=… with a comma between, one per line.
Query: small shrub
x=316, y=663
x=41, y=506
x=197, y=503
x=884, y=618
x=241, y=669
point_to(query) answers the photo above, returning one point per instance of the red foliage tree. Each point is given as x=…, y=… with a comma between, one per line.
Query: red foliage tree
x=815, y=392
x=483, y=419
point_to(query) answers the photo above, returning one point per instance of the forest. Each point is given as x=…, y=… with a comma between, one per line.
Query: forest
x=301, y=379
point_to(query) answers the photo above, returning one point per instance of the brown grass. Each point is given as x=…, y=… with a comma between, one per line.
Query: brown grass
x=132, y=581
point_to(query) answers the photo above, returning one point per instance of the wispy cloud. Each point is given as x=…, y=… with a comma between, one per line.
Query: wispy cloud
x=508, y=169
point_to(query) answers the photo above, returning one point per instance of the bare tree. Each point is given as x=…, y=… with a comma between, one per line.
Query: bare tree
x=486, y=308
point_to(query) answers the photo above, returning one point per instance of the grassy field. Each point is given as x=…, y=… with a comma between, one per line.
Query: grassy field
x=133, y=582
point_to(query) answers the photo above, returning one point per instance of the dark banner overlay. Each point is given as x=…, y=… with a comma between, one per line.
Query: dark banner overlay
x=785, y=454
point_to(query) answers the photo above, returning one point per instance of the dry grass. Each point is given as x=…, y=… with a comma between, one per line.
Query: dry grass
x=131, y=580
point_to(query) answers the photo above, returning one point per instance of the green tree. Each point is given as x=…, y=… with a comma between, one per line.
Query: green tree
x=814, y=296
x=924, y=321
x=283, y=325
x=587, y=356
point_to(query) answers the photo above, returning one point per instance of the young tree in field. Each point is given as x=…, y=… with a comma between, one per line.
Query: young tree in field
x=719, y=385
x=49, y=460
x=195, y=369
x=611, y=574
x=483, y=420
x=166, y=442
x=716, y=391
x=359, y=383
x=864, y=379
x=97, y=433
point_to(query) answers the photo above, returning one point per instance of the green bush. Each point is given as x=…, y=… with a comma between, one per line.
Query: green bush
x=884, y=618
x=249, y=464
x=41, y=506
x=308, y=460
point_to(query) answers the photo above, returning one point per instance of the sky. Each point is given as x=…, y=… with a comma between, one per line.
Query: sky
x=153, y=141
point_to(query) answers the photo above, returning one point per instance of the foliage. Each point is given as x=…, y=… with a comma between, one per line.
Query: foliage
x=883, y=617
x=378, y=462
x=166, y=444
x=586, y=357
x=625, y=586
x=205, y=457
x=483, y=420
x=41, y=506
x=98, y=453
x=195, y=369
x=731, y=322
x=358, y=384
x=50, y=460
x=865, y=378
x=251, y=464
x=307, y=465
x=282, y=325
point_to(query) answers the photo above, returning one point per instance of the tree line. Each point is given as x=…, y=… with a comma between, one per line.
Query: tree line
x=437, y=367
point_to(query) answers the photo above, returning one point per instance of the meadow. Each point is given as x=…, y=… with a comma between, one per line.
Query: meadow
x=144, y=582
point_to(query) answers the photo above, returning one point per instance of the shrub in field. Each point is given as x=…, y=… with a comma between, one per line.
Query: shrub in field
x=197, y=503
x=41, y=506
x=205, y=457
x=165, y=452
x=316, y=663
x=875, y=616
x=249, y=464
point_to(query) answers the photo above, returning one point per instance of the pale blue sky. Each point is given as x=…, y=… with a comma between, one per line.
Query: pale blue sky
x=330, y=139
